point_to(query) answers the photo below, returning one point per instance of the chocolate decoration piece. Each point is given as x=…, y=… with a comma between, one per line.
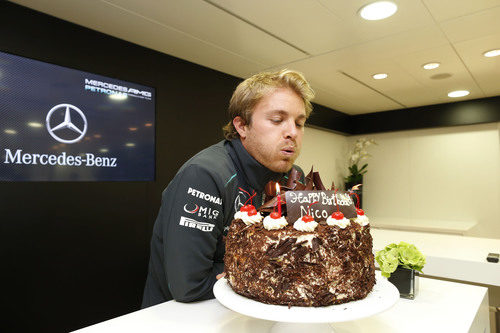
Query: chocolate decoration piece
x=299, y=186
x=317, y=182
x=293, y=176
x=269, y=204
x=283, y=247
x=309, y=185
x=270, y=189
x=310, y=174
x=309, y=181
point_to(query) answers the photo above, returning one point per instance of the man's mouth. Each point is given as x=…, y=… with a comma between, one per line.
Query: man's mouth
x=288, y=151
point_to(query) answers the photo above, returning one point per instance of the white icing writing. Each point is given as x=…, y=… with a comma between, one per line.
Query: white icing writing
x=323, y=198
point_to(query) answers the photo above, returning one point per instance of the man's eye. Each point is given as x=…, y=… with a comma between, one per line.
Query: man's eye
x=299, y=125
x=276, y=120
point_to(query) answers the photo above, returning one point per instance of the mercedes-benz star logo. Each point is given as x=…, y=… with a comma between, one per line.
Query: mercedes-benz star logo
x=66, y=123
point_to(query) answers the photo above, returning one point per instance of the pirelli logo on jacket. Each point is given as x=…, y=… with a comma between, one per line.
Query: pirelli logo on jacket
x=190, y=223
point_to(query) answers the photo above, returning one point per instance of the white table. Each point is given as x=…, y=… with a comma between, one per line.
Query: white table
x=449, y=256
x=440, y=306
x=436, y=226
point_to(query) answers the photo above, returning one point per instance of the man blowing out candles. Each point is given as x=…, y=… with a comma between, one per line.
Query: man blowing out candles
x=262, y=140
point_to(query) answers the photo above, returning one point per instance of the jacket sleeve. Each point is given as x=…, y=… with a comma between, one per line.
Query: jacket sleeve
x=193, y=206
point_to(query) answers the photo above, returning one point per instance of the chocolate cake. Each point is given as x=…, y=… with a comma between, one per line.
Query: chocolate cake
x=315, y=261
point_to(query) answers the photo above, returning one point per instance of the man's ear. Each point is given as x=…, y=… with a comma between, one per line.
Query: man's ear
x=240, y=126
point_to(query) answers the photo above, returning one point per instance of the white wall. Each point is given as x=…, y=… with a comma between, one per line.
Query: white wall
x=326, y=152
x=443, y=174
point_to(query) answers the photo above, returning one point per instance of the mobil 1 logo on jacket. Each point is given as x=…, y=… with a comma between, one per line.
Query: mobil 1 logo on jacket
x=205, y=212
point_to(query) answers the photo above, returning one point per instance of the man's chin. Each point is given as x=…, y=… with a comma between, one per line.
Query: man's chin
x=283, y=167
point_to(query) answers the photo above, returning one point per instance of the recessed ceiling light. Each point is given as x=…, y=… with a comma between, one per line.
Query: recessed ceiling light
x=492, y=53
x=378, y=10
x=34, y=124
x=10, y=131
x=379, y=76
x=431, y=65
x=458, y=93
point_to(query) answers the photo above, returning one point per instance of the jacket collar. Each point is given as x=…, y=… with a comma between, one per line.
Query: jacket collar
x=255, y=174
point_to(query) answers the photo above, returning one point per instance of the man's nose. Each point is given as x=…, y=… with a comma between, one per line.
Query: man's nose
x=291, y=130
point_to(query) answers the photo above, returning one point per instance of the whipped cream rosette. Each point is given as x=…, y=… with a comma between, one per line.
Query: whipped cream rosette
x=271, y=223
x=337, y=218
x=342, y=223
x=247, y=213
x=362, y=220
x=302, y=225
x=306, y=222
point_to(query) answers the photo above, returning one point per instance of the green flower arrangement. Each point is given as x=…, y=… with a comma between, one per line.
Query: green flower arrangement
x=402, y=254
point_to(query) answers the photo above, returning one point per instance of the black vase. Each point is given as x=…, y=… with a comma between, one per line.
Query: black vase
x=406, y=280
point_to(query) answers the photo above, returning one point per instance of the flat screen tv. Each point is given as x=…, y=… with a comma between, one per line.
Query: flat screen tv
x=62, y=124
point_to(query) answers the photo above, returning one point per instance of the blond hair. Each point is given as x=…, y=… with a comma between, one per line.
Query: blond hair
x=249, y=92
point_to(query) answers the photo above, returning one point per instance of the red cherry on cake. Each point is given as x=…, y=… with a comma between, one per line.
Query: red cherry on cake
x=246, y=208
x=275, y=215
x=307, y=218
x=360, y=212
x=338, y=215
x=252, y=211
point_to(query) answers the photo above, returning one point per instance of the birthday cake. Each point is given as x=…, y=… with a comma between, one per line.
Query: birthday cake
x=306, y=246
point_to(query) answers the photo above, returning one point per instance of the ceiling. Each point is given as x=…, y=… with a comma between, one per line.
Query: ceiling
x=325, y=39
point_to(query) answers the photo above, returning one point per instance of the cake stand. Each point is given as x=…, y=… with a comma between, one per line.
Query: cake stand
x=316, y=319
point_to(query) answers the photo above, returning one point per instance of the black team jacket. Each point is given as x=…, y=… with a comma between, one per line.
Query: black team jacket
x=187, y=247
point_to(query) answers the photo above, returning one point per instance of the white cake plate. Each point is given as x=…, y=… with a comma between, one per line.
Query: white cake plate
x=383, y=296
